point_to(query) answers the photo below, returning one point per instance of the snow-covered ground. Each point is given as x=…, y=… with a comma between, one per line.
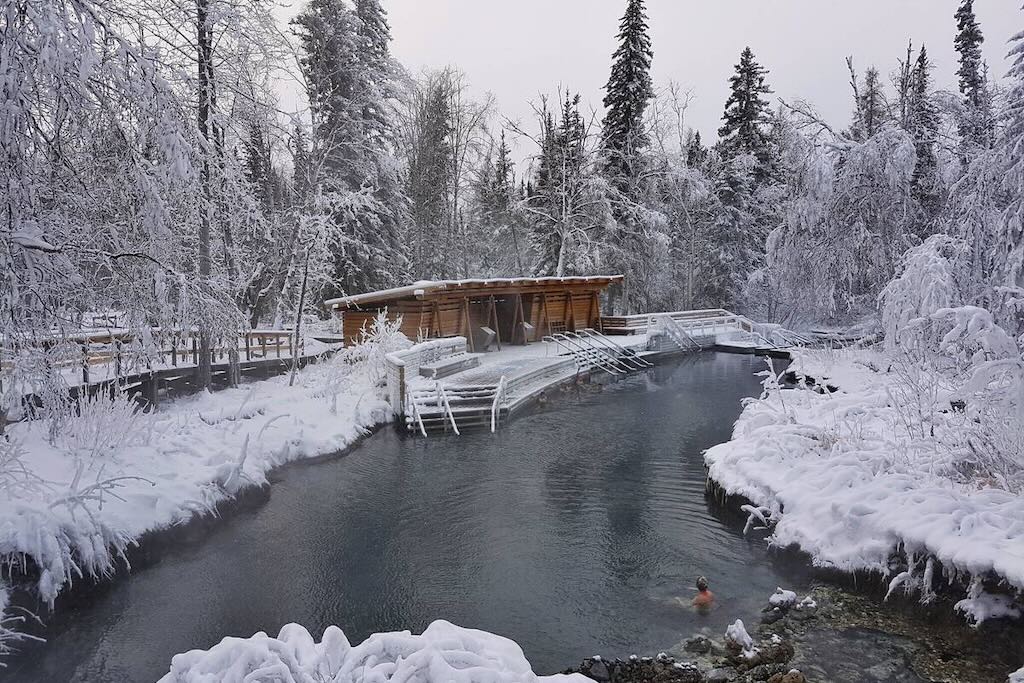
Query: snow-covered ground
x=79, y=488
x=443, y=652
x=884, y=463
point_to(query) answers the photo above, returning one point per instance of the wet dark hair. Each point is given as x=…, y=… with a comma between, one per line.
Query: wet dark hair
x=702, y=584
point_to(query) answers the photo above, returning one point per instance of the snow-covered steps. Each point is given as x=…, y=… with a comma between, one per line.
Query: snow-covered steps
x=448, y=408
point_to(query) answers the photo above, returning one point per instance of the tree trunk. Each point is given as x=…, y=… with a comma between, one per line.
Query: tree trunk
x=298, y=320
x=205, y=62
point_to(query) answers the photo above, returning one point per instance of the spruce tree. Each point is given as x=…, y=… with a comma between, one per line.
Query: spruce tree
x=924, y=123
x=377, y=72
x=628, y=92
x=696, y=152
x=1010, y=248
x=348, y=70
x=976, y=122
x=968, y=43
x=871, y=111
x=746, y=111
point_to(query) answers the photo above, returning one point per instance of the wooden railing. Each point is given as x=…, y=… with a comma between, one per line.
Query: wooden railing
x=131, y=351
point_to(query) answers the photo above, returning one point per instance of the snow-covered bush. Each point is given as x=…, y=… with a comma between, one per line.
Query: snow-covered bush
x=933, y=277
x=100, y=424
x=363, y=363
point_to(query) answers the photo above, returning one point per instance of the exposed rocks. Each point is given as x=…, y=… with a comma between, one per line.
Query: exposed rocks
x=660, y=669
x=698, y=644
x=791, y=676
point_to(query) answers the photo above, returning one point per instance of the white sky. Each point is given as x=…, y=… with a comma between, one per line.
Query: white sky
x=517, y=49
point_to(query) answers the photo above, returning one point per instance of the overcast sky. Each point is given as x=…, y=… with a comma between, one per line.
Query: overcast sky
x=517, y=49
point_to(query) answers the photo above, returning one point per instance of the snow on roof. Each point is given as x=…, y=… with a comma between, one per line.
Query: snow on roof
x=424, y=287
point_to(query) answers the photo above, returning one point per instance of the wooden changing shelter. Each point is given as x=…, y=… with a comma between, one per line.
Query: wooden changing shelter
x=485, y=312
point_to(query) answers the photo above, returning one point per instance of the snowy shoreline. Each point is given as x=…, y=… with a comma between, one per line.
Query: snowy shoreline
x=161, y=471
x=833, y=475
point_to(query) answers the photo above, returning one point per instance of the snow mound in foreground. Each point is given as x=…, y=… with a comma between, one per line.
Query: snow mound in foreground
x=443, y=652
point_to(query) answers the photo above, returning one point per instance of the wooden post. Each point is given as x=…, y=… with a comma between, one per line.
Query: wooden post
x=468, y=324
x=518, y=317
x=152, y=390
x=174, y=349
x=547, y=313
x=497, y=326
x=248, y=348
x=435, y=323
x=117, y=358
x=595, y=313
x=85, y=363
x=570, y=314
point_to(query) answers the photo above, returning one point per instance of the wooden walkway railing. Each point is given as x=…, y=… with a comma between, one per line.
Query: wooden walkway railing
x=166, y=361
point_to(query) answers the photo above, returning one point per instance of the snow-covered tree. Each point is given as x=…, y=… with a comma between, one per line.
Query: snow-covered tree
x=923, y=123
x=348, y=72
x=747, y=112
x=871, y=111
x=627, y=93
x=976, y=123
x=497, y=225
x=1010, y=264
x=566, y=204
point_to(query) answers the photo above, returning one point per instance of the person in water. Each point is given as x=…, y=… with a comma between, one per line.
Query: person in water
x=704, y=598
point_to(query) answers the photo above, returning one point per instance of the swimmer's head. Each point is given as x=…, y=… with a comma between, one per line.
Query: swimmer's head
x=702, y=584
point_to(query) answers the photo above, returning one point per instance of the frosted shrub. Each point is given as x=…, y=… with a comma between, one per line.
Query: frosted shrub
x=932, y=279
x=364, y=363
x=9, y=622
x=16, y=479
x=104, y=423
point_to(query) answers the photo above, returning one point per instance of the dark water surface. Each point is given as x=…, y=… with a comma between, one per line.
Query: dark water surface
x=571, y=531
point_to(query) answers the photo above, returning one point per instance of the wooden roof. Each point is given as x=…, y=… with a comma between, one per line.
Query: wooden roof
x=426, y=288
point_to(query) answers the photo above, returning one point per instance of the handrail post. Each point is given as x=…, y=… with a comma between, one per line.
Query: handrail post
x=494, y=406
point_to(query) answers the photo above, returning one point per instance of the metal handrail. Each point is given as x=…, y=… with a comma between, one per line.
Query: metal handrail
x=624, y=354
x=442, y=401
x=676, y=332
x=416, y=413
x=599, y=352
x=589, y=353
x=494, y=406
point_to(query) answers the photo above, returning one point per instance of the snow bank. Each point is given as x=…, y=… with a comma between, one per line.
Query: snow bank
x=75, y=495
x=851, y=476
x=443, y=652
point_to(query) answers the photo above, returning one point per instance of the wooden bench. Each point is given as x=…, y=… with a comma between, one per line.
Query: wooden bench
x=450, y=365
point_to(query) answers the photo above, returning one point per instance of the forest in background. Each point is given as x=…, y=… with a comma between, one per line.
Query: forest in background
x=149, y=170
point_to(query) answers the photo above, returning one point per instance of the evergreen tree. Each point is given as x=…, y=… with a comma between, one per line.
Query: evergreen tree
x=348, y=70
x=976, y=124
x=429, y=159
x=496, y=198
x=375, y=83
x=565, y=202
x=1010, y=248
x=696, y=152
x=924, y=122
x=871, y=111
x=628, y=92
x=746, y=111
